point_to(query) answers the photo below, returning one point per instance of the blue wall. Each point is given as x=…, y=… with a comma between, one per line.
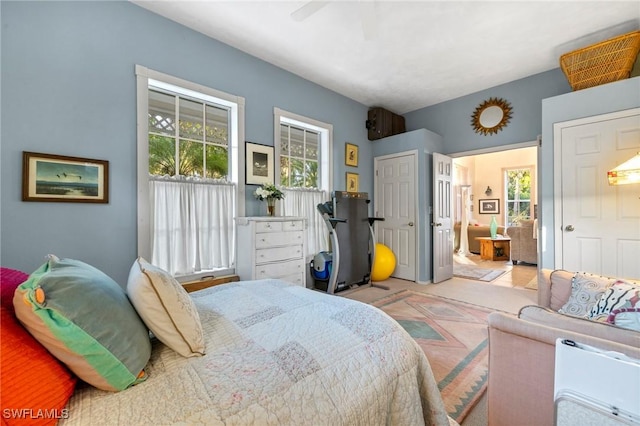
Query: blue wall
x=452, y=119
x=618, y=96
x=68, y=88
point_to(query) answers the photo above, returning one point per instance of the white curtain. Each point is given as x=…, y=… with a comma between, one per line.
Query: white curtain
x=193, y=226
x=464, y=226
x=303, y=203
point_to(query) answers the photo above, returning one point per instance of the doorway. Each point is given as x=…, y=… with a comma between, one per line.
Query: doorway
x=482, y=178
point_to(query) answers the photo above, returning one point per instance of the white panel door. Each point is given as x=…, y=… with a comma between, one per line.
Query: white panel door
x=600, y=223
x=442, y=225
x=395, y=203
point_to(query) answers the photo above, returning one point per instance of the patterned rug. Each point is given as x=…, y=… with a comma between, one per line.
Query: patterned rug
x=475, y=273
x=454, y=337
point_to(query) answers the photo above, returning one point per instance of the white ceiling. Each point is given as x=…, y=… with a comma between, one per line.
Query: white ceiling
x=406, y=55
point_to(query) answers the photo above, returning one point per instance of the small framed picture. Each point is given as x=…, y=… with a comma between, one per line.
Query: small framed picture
x=351, y=154
x=48, y=177
x=259, y=164
x=352, y=182
x=489, y=206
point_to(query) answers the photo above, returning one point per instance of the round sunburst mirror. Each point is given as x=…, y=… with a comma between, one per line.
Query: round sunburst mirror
x=491, y=116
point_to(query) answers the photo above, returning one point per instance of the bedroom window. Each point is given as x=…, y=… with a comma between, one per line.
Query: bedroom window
x=187, y=175
x=303, y=159
x=518, y=199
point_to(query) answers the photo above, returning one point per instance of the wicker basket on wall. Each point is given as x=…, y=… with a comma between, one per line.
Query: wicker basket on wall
x=604, y=62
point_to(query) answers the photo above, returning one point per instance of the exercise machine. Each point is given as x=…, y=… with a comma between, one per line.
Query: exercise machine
x=348, y=264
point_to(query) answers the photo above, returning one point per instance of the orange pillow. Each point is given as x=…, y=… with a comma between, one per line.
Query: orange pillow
x=35, y=386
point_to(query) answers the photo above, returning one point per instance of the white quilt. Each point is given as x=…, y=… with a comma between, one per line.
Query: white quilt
x=278, y=354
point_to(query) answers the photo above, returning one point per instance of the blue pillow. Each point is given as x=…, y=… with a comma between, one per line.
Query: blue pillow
x=85, y=319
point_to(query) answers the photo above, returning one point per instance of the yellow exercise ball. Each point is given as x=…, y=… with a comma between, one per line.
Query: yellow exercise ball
x=383, y=264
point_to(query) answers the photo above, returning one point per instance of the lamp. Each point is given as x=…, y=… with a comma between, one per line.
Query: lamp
x=488, y=191
x=626, y=173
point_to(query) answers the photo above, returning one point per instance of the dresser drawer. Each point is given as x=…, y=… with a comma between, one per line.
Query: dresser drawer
x=293, y=225
x=278, y=253
x=297, y=279
x=280, y=269
x=271, y=239
x=268, y=226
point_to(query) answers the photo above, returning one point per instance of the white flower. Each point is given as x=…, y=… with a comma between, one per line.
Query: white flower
x=262, y=193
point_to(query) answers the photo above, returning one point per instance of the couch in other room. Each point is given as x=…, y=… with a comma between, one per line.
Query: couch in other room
x=524, y=244
x=473, y=232
x=522, y=349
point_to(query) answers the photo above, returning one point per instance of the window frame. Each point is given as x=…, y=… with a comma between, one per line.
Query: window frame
x=236, y=104
x=506, y=171
x=325, y=131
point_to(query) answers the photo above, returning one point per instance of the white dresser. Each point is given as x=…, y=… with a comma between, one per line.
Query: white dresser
x=271, y=247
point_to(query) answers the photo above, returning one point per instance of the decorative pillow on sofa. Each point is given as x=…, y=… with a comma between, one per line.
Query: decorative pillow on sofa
x=586, y=290
x=166, y=308
x=30, y=377
x=85, y=320
x=619, y=305
x=625, y=318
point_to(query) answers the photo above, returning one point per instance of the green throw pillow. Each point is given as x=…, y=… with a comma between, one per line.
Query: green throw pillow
x=85, y=319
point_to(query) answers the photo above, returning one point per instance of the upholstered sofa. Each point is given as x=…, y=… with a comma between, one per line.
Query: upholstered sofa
x=473, y=232
x=524, y=247
x=522, y=352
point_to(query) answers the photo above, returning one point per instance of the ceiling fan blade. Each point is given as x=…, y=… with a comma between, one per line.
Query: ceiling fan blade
x=368, y=18
x=308, y=9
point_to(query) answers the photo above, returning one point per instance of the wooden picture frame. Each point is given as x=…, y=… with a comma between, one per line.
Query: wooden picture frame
x=353, y=182
x=59, y=178
x=259, y=164
x=489, y=206
x=351, y=154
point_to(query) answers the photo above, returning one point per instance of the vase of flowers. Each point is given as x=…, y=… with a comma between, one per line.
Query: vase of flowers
x=270, y=193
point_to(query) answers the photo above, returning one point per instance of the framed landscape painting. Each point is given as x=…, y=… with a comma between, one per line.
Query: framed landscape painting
x=48, y=177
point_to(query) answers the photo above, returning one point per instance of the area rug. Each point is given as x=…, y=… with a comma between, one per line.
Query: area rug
x=475, y=273
x=454, y=337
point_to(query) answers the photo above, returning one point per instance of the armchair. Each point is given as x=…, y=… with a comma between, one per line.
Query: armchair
x=524, y=243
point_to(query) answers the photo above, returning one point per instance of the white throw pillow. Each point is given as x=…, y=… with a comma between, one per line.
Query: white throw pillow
x=586, y=291
x=166, y=308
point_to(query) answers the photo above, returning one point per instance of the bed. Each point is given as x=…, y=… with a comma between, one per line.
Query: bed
x=276, y=354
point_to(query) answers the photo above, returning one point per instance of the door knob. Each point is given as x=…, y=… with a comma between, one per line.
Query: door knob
x=410, y=223
x=436, y=224
x=569, y=228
